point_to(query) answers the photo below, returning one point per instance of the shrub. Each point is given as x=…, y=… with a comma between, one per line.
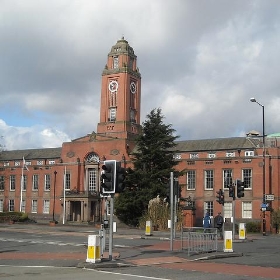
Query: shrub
x=158, y=213
x=23, y=217
x=13, y=216
x=253, y=227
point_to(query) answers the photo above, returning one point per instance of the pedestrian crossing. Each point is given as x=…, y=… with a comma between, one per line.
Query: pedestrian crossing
x=44, y=242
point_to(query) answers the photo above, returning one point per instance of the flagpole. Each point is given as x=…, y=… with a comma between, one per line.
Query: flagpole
x=64, y=183
x=21, y=188
x=22, y=182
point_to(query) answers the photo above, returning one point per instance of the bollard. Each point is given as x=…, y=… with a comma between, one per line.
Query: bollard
x=148, y=228
x=93, y=250
x=242, y=231
x=169, y=223
x=228, y=241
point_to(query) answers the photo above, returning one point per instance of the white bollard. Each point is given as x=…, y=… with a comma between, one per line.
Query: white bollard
x=169, y=223
x=93, y=250
x=242, y=231
x=148, y=228
x=228, y=241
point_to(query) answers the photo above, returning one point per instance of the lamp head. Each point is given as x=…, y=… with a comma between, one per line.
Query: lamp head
x=253, y=99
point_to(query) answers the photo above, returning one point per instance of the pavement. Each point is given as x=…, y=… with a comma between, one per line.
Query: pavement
x=253, y=257
x=256, y=256
x=157, y=251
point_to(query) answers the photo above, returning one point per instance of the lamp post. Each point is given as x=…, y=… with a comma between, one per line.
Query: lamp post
x=263, y=138
x=55, y=172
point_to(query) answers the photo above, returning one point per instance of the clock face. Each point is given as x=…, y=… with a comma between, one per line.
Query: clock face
x=132, y=87
x=113, y=86
x=92, y=158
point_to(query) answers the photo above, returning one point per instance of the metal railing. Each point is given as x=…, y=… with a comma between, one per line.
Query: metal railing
x=196, y=240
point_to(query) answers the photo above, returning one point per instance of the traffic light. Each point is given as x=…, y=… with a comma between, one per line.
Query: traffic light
x=239, y=188
x=167, y=191
x=220, y=198
x=120, y=177
x=108, y=177
x=231, y=191
x=177, y=188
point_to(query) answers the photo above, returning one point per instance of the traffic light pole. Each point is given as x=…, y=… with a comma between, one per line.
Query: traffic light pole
x=233, y=218
x=171, y=211
x=111, y=228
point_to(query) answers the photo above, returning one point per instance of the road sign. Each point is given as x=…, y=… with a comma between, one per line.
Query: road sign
x=264, y=206
x=269, y=197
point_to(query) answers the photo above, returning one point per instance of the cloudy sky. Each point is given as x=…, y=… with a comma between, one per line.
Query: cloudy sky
x=201, y=61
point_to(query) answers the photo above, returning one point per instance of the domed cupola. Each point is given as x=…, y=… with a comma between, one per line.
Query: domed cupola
x=121, y=59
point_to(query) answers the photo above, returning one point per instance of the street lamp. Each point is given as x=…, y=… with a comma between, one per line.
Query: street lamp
x=55, y=172
x=263, y=138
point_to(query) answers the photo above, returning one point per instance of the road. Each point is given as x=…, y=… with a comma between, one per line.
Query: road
x=43, y=252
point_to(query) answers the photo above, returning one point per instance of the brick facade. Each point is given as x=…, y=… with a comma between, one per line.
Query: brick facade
x=205, y=162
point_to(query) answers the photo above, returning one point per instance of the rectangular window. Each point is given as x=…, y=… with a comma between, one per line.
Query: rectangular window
x=230, y=154
x=24, y=182
x=47, y=182
x=23, y=204
x=35, y=182
x=1, y=205
x=46, y=207
x=12, y=182
x=51, y=161
x=211, y=155
x=11, y=205
x=177, y=156
x=40, y=162
x=34, y=206
x=249, y=153
x=194, y=156
x=228, y=210
x=112, y=114
x=115, y=62
x=130, y=63
x=92, y=186
x=227, y=176
x=191, y=180
x=67, y=181
x=209, y=162
x=27, y=162
x=208, y=179
x=2, y=183
x=247, y=178
x=208, y=207
x=6, y=163
x=17, y=163
x=247, y=210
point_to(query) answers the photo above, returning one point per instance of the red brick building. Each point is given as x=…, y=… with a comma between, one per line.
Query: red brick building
x=208, y=164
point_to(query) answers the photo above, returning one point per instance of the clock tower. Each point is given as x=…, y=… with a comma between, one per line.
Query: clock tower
x=120, y=94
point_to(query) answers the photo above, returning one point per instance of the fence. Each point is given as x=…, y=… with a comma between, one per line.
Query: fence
x=194, y=240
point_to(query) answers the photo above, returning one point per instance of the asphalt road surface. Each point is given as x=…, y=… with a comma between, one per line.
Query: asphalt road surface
x=43, y=252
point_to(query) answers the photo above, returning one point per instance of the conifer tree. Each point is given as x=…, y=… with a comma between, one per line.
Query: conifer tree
x=153, y=160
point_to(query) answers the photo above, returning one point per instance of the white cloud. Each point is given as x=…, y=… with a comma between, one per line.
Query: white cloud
x=14, y=138
x=199, y=62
